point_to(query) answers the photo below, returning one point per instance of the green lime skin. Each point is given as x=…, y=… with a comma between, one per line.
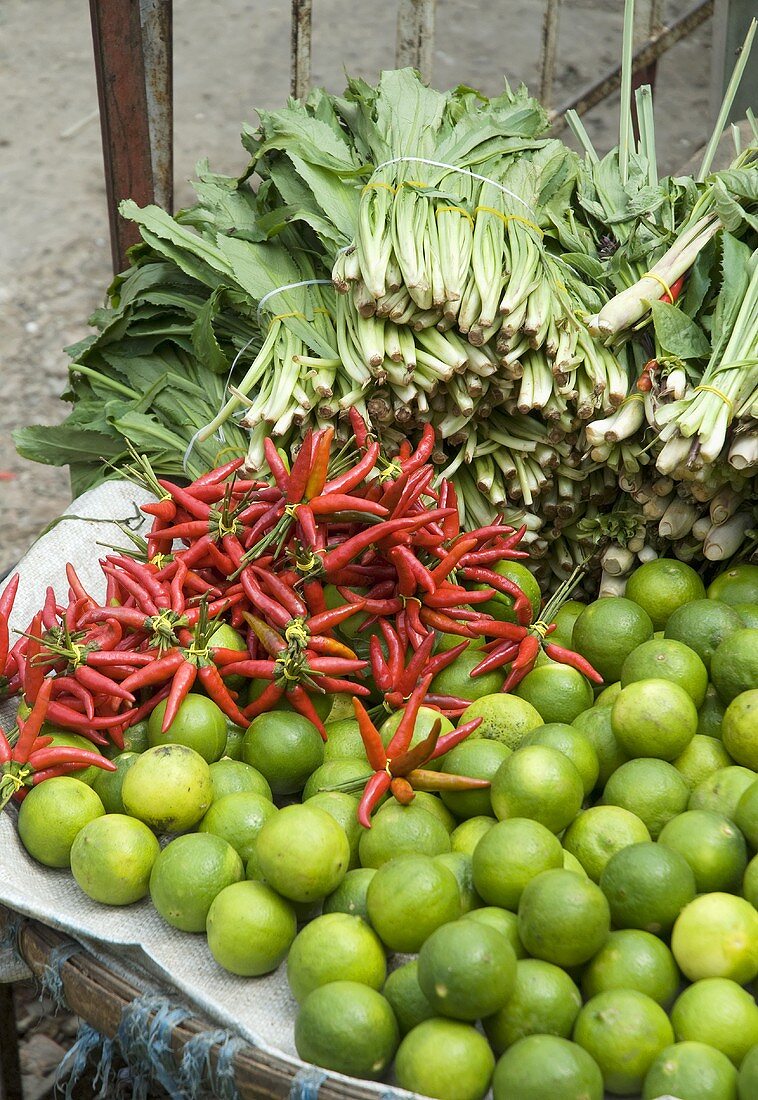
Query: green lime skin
x=466, y=970
x=347, y=1027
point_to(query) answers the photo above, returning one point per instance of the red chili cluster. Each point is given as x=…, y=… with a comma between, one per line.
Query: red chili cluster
x=270, y=557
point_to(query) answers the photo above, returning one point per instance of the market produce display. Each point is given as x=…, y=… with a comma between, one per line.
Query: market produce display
x=434, y=680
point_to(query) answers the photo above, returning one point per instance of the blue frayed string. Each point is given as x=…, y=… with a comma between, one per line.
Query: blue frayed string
x=75, y=1060
x=51, y=982
x=222, y=1081
x=306, y=1083
x=145, y=1043
x=390, y=1094
x=104, y=1070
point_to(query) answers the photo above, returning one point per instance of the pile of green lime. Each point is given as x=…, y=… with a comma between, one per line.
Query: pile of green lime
x=586, y=926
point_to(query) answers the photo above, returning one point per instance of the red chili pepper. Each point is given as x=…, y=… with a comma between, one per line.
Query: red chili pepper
x=348, y=481
x=300, y=471
x=186, y=500
x=210, y=678
x=184, y=678
x=340, y=502
x=360, y=430
x=29, y=729
x=423, y=780
x=568, y=657
x=374, y=791
x=65, y=754
x=423, y=451
x=95, y=681
x=157, y=672
x=34, y=673
x=221, y=473
x=6, y=606
x=319, y=463
x=77, y=587
x=523, y=662
x=266, y=701
x=301, y=702
x=282, y=592
x=500, y=656
x=164, y=510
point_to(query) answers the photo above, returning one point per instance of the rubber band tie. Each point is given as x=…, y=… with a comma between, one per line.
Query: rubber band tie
x=379, y=183
x=506, y=218
x=662, y=282
x=712, y=389
x=454, y=210
x=454, y=168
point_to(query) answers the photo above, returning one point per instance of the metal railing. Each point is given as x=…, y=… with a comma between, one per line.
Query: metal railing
x=133, y=58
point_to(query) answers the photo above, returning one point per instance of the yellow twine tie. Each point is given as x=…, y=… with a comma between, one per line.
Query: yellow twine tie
x=454, y=210
x=712, y=389
x=505, y=218
x=297, y=313
x=378, y=183
x=661, y=282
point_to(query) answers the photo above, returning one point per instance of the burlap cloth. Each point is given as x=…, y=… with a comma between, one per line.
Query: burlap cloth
x=132, y=939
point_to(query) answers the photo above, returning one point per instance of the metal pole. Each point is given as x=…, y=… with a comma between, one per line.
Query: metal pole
x=731, y=19
x=300, y=60
x=415, y=36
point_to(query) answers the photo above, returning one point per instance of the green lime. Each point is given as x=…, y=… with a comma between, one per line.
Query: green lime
x=350, y=895
x=571, y=863
x=303, y=852
x=343, y=808
x=501, y=606
x=238, y=818
x=539, y=783
x=53, y=814
x=649, y=788
x=112, y=857
x=335, y=947
x=607, y=631
x=563, y=918
x=347, y=1027
x=748, y=613
x=107, y=785
x=231, y=776
x=235, y=735
x=716, y=936
x=734, y=665
x=135, y=740
x=404, y=994
x=702, y=757
x=737, y=585
x=456, y=679
x=693, y=1071
x=574, y=745
x=504, y=921
x=601, y=831
x=557, y=692
x=564, y=620
x=633, y=959
x=462, y=867
x=187, y=876
x=624, y=1031
x=647, y=885
x=711, y=714
x=666, y=659
x=285, y=748
x=505, y=718
x=712, y=845
x=540, y=1066
x=746, y=815
x=466, y=969
x=740, y=727
x=402, y=830
x=250, y=928
x=750, y=882
x=747, y=1082
x=199, y=724
x=332, y=774
x=408, y=898
x=468, y=834
x=654, y=718
x=718, y=1012
x=509, y=856
x=607, y=696
x=64, y=739
x=702, y=625
x=544, y=1001
x=446, y=1059
x=478, y=759
x=434, y=805
x=595, y=724
x=168, y=787
x=722, y=790
x=343, y=739
x=663, y=585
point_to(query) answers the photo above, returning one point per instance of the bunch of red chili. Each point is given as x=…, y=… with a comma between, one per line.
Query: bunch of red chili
x=270, y=557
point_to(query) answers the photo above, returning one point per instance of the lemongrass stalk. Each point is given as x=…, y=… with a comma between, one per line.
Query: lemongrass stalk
x=724, y=504
x=743, y=452
x=726, y=104
x=617, y=560
x=701, y=527
x=677, y=520
x=647, y=553
x=611, y=586
x=724, y=539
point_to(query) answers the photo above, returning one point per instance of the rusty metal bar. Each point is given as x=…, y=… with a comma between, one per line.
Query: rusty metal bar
x=125, y=111
x=415, y=36
x=668, y=36
x=300, y=61
x=549, y=47
x=156, y=21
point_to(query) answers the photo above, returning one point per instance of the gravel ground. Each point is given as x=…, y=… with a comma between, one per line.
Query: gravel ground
x=55, y=259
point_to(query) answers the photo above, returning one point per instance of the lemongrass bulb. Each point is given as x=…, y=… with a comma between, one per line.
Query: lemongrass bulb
x=656, y=507
x=673, y=455
x=617, y=560
x=647, y=553
x=662, y=486
x=724, y=504
x=676, y=383
x=677, y=520
x=611, y=586
x=725, y=539
x=743, y=453
x=701, y=527
x=635, y=543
